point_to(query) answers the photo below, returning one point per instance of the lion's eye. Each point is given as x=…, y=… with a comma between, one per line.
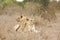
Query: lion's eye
x=31, y=20
x=27, y=19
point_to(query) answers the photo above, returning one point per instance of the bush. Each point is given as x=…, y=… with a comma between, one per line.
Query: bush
x=44, y=3
x=58, y=5
x=3, y=3
x=10, y=2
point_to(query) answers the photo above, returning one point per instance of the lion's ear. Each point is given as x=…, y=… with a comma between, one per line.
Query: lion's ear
x=21, y=16
x=18, y=19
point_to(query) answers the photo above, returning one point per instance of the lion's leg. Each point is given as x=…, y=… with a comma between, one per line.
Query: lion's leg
x=23, y=26
x=17, y=28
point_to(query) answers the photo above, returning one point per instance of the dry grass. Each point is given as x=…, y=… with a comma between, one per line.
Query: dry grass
x=34, y=9
x=8, y=21
x=49, y=14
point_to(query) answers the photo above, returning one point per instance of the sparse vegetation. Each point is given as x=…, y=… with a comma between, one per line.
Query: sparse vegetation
x=43, y=19
x=44, y=7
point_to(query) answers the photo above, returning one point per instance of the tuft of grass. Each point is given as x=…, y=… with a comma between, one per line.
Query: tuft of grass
x=49, y=14
x=32, y=8
x=58, y=6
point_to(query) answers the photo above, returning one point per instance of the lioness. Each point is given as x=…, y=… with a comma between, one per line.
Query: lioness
x=25, y=22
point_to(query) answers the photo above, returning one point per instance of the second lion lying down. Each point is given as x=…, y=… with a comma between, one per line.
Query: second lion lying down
x=25, y=23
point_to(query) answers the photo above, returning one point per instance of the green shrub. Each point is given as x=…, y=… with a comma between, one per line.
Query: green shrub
x=10, y=2
x=5, y=2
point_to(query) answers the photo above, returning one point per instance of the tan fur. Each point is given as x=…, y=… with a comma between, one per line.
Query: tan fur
x=25, y=23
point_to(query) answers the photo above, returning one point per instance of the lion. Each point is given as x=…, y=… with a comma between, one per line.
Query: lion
x=25, y=23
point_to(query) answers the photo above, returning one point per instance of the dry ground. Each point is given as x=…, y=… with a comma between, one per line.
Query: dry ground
x=48, y=30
